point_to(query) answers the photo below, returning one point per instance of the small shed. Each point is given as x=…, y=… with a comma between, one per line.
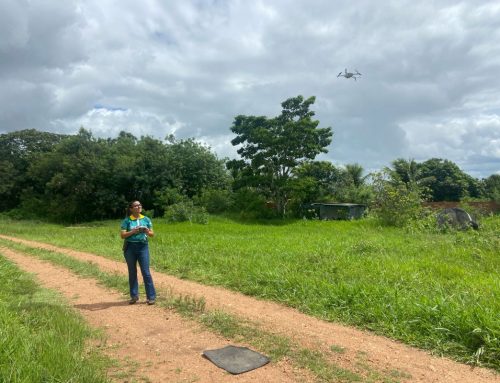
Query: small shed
x=345, y=211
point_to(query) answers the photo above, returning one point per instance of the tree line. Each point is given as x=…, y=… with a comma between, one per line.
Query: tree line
x=77, y=178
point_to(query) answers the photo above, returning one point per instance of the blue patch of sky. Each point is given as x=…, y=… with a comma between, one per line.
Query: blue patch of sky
x=111, y=108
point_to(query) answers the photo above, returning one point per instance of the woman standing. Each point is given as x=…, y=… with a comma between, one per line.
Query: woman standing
x=135, y=230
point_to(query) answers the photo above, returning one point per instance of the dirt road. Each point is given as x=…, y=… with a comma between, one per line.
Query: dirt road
x=168, y=348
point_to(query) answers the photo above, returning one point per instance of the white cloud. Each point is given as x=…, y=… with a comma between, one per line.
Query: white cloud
x=469, y=141
x=108, y=121
x=429, y=84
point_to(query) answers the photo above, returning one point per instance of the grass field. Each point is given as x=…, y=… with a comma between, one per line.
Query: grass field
x=42, y=340
x=438, y=291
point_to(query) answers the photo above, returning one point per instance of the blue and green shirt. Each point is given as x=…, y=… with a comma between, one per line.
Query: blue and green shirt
x=130, y=222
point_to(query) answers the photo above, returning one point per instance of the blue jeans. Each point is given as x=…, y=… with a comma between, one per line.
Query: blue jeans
x=139, y=252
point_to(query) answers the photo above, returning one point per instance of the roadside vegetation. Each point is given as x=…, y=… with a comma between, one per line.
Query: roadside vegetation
x=47, y=176
x=428, y=288
x=42, y=339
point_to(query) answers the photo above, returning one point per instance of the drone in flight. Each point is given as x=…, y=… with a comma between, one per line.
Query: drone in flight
x=350, y=74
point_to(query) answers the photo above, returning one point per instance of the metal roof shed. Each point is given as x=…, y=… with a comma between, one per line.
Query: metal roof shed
x=345, y=211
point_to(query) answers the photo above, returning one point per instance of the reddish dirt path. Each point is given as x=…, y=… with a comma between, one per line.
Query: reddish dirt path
x=378, y=353
x=153, y=343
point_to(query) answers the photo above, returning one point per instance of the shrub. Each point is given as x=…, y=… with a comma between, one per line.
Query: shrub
x=166, y=197
x=252, y=205
x=186, y=211
x=424, y=222
x=396, y=203
x=362, y=194
x=215, y=200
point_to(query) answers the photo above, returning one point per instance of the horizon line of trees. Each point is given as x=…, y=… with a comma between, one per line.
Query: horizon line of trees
x=77, y=178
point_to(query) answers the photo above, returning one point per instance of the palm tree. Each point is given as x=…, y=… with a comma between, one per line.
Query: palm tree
x=409, y=172
x=355, y=173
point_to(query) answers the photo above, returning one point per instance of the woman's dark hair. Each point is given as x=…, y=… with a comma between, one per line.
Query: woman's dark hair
x=129, y=206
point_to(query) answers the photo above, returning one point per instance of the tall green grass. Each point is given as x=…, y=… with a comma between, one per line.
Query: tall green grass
x=438, y=291
x=42, y=340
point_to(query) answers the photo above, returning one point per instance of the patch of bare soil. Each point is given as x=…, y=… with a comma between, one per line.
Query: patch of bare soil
x=374, y=352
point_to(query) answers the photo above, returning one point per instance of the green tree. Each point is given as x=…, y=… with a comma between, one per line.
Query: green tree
x=492, y=187
x=410, y=173
x=74, y=183
x=195, y=167
x=316, y=180
x=10, y=180
x=271, y=148
x=407, y=171
x=123, y=157
x=18, y=150
x=355, y=174
x=475, y=188
x=442, y=179
x=447, y=182
x=351, y=185
x=330, y=183
x=152, y=170
x=80, y=178
x=161, y=173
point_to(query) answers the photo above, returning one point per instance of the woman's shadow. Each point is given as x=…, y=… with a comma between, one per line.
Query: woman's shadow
x=101, y=305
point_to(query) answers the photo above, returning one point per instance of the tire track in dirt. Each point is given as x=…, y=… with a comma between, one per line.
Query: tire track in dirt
x=377, y=352
x=152, y=342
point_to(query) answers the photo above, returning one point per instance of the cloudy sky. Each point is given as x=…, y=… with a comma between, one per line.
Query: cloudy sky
x=430, y=84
